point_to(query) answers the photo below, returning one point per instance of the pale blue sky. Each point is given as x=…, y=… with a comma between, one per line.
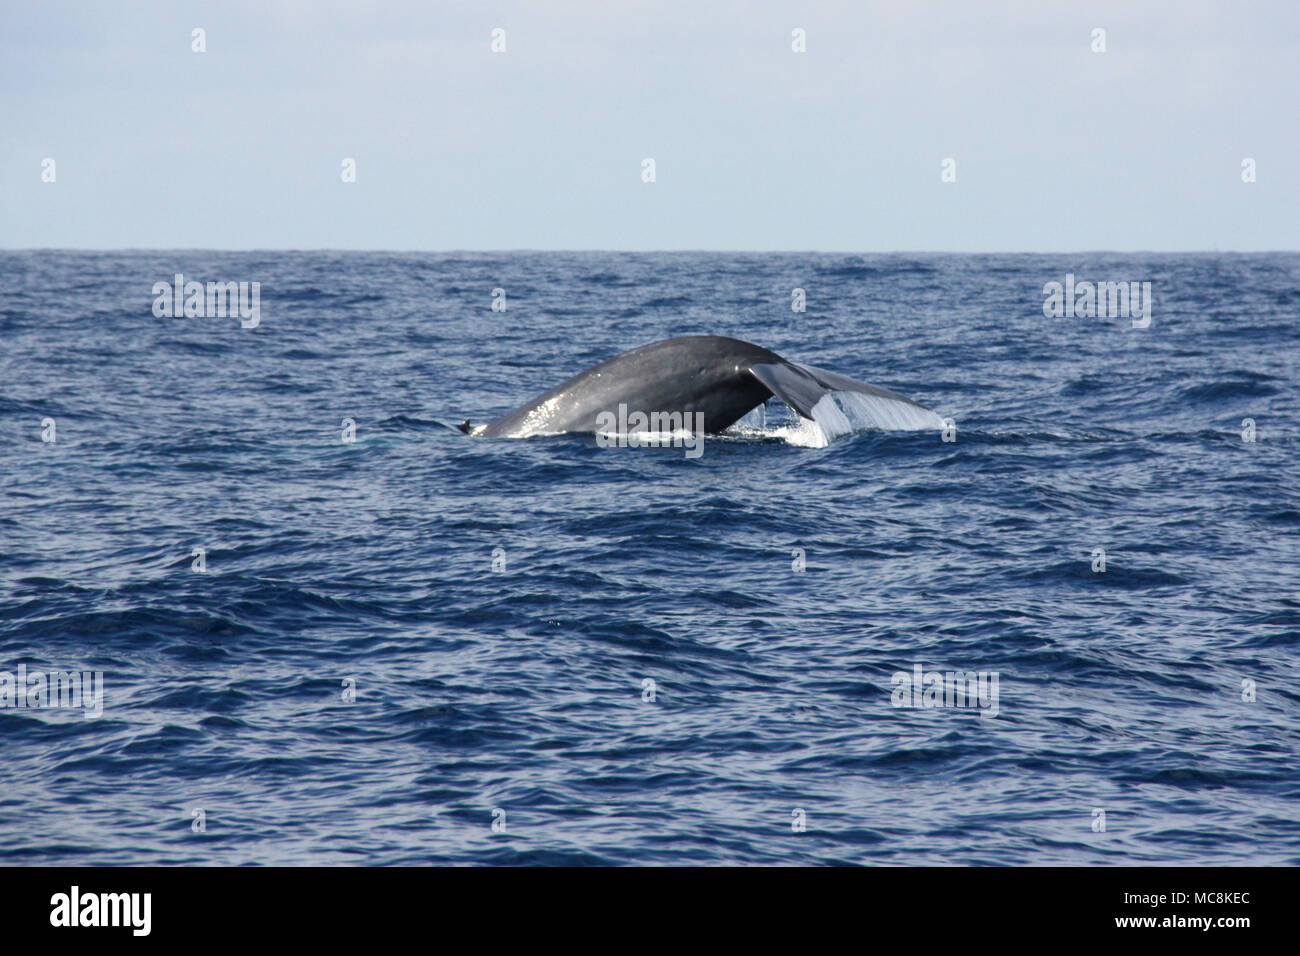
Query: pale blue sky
x=839, y=148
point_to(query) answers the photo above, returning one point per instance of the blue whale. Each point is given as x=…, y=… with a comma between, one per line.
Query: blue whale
x=691, y=376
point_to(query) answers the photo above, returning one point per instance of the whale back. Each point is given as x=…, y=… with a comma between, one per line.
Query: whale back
x=709, y=374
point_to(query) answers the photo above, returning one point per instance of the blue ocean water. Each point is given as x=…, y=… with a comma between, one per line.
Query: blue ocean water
x=1146, y=713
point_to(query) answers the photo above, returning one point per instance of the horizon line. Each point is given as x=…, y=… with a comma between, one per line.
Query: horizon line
x=718, y=251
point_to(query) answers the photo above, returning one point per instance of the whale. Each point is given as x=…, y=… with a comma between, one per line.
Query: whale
x=706, y=382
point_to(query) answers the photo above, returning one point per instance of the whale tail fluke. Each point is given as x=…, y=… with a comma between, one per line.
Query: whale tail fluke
x=804, y=387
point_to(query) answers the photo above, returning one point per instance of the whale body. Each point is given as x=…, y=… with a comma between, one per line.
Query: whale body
x=720, y=379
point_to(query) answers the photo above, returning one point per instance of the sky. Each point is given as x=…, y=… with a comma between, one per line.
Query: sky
x=1055, y=147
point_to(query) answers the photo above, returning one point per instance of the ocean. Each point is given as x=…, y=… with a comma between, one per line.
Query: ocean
x=329, y=628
